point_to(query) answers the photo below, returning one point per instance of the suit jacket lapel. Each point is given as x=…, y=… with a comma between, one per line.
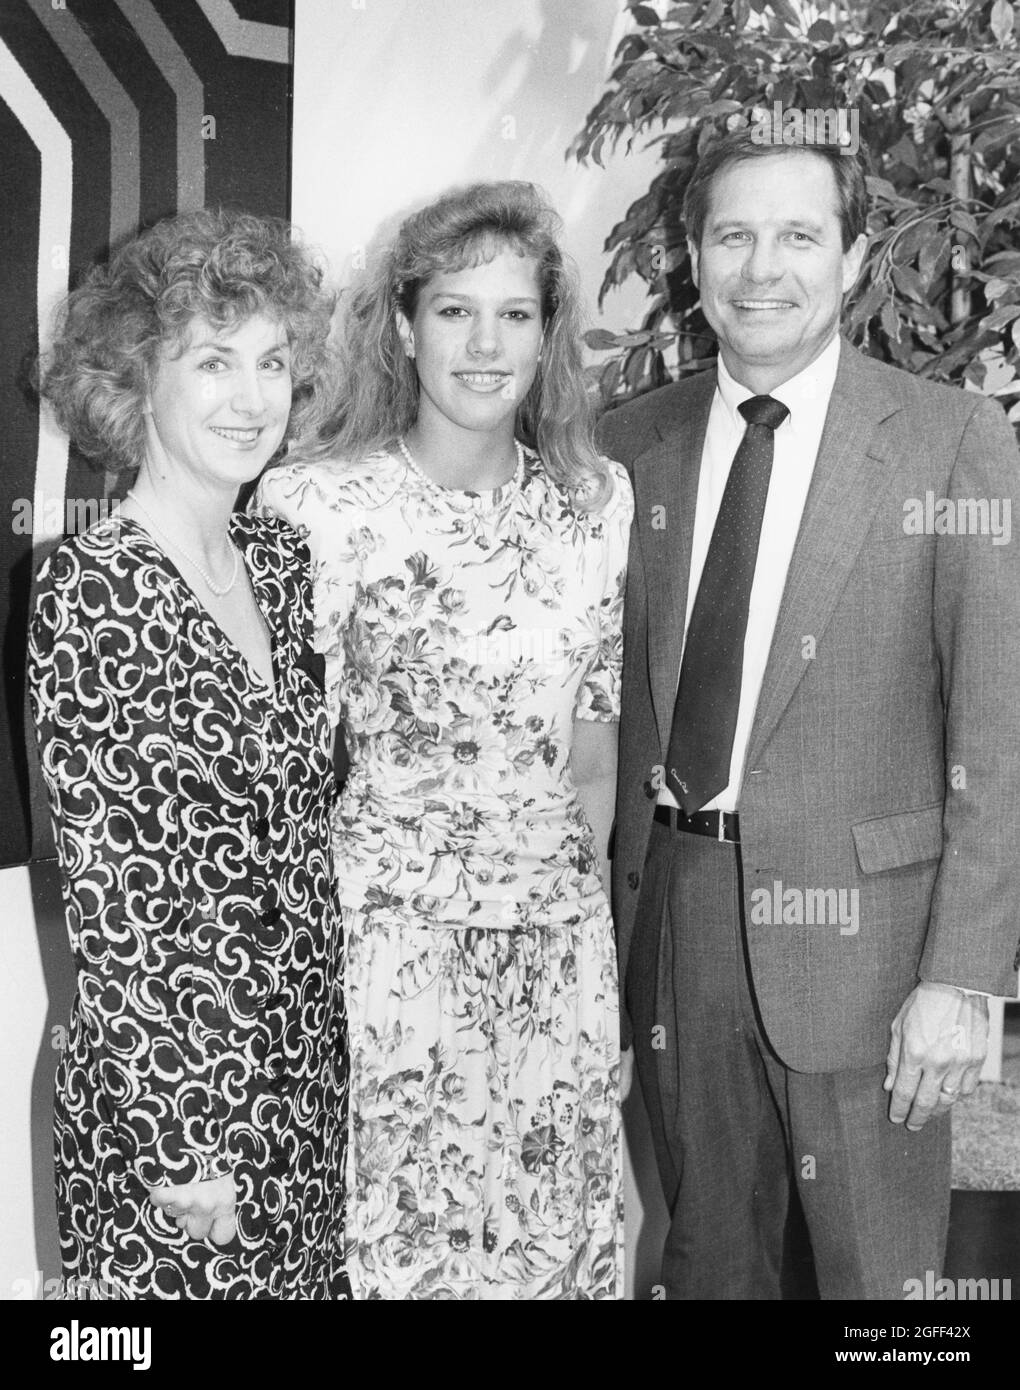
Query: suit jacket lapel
x=666, y=484
x=846, y=488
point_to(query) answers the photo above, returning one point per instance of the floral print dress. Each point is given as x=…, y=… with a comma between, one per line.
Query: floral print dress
x=463, y=632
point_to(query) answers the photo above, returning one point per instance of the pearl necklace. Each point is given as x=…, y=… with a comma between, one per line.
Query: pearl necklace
x=218, y=589
x=510, y=487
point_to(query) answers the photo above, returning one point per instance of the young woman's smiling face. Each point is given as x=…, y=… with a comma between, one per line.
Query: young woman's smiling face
x=476, y=339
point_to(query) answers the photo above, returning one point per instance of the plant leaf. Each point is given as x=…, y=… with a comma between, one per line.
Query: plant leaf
x=996, y=288
x=601, y=340
x=908, y=282
x=963, y=222
x=1000, y=317
x=1002, y=20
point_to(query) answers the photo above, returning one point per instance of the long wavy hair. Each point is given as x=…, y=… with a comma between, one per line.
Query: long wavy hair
x=214, y=264
x=378, y=384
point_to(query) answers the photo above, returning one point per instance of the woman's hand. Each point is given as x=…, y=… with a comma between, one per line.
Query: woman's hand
x=593, y=747
x=626, y=1073
x=201, y=1208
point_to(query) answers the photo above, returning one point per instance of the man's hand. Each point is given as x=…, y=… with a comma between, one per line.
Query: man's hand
x=939, y=1041
x=201, y=1208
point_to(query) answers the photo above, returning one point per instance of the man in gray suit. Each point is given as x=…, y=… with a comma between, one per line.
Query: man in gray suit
x=817, y=858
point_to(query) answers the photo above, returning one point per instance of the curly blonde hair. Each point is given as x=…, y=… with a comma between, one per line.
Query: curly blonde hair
x=378, y=389
x=219, y=265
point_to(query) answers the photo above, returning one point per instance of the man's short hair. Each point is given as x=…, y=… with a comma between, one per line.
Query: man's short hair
x=848, y=169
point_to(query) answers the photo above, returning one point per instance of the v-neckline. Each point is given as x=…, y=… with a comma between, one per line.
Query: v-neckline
x=271, y=692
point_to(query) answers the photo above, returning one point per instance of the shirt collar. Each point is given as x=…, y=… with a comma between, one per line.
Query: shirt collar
x=806, y=395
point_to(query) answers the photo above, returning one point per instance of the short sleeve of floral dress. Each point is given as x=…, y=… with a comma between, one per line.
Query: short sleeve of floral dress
x=463, y=634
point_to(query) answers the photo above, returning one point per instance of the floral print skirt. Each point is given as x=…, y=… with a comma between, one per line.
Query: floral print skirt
x=485, y=1158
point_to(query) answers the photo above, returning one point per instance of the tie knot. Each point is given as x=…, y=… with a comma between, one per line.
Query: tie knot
x=764, y=410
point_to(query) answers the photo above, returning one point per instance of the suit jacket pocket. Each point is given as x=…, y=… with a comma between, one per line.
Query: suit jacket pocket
x=905, y=837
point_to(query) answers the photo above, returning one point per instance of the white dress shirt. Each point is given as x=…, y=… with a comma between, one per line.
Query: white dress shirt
x=806, y=395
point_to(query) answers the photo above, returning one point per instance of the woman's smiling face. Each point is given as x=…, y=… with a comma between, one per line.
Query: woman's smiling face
x=220, y=407
x=476, y=338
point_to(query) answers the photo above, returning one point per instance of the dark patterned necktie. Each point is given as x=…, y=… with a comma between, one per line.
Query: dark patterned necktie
x=708, y=696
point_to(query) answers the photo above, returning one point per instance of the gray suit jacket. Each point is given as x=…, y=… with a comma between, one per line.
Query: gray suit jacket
x=885, y=751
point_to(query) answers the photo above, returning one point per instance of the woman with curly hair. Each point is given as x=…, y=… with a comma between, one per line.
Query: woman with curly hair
x=468, y=549
x=201, y=1098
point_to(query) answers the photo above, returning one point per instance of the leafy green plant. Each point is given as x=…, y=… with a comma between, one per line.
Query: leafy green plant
x=936, y=88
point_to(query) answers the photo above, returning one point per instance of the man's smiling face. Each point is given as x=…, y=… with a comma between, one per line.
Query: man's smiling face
x=771, y=266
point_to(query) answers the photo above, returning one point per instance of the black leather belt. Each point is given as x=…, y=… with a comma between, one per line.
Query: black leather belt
x=720, y=825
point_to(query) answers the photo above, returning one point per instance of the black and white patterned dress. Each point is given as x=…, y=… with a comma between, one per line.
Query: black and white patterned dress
x=191, y=805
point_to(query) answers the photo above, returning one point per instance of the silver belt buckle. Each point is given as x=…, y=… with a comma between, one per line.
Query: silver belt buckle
x=722, y=827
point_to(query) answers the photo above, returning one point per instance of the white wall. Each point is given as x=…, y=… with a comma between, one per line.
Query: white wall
x=396, y=100
x=36, y=986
